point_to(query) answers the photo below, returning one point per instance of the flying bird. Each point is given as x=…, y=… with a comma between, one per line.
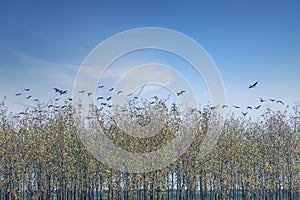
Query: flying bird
x=249, y=107
x=244, y=113
x=279, y=101
x=181, y=92
x=35, y=99
x=257, y=107
x=236, y=106
x=56, y=90
x=28, y=97
x=225, y=106
x=100, y=98
x=81, y=91
x=119, y=92
x=262, y=100
x=63, y=92
x=70, y=99
x=89, y=94
x=253, y=85
x=18, y=94
x=213, y=107
x=272, y=100
x=100, y=86
x=109, y=98
x=111, y=89
x=27, y=89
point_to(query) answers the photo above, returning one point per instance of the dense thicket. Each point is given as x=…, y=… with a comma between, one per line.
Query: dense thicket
x=42, y=157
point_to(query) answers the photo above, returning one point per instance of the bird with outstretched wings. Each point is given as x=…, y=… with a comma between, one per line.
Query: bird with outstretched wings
x=253, y=85
x=257, y=107
x=244, y=113
x=181, y=92
x=279, y=101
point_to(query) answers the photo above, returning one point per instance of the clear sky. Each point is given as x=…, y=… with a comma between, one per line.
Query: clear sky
x=43, y=43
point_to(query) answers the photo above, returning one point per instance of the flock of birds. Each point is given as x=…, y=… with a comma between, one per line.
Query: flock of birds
x=105, y=101
x=255, y=107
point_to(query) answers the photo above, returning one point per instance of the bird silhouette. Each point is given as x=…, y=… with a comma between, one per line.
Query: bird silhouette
x=63, y=92
x=100, y=86
x=70, y=99
x=56, y=90
x=18, y=94
x=100, y=98
x=272, y=100
x=213, y=107
x=89, y=94
x=244, y=113
x=27, y=89
x=109, y=98
x=28, y=97
x=119, y=92
x=257, y=107
x=262, y=100
x=253, y=85
x=181, y=92
x=279, y=101
x=103, y=104
x=111, y=89
x=236, y=106
x=249, y=107
x=35, y=99
x=81, y=91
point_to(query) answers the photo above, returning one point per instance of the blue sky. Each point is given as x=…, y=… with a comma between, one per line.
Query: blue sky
x=42, y=44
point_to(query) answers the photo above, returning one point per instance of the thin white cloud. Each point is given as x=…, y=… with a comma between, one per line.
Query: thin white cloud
x=43, y=62
x=62, y=73
x=156, y=74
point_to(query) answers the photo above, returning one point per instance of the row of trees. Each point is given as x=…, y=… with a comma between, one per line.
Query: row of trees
x=42, y=157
